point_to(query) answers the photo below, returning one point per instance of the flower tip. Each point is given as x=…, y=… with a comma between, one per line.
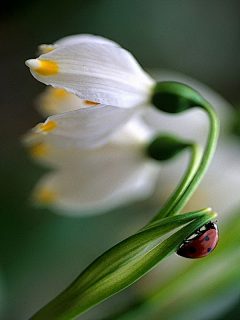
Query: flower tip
x=33, y=64
x=43, y=67
x=44, y=195
x=45, y=127
x=45, y=48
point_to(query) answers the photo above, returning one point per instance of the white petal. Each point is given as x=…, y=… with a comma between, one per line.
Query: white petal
x=94, y=71
x=53, y=101
x=192, y=124
x=78, y=38
x=134, y=132
x=101, y=180
x=85, y=128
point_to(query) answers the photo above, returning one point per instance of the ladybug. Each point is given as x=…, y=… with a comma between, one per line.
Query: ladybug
x=201, y=243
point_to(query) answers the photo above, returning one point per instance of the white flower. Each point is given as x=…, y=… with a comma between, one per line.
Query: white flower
x=97, y=180
x=97, y=70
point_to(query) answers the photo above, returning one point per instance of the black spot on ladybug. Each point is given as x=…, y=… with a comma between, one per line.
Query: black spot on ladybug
x=207, y=238
x=192, y=250
x=209, y=249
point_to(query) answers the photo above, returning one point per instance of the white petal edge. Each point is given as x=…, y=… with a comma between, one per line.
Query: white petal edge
x=77, y=38
x=84, y=37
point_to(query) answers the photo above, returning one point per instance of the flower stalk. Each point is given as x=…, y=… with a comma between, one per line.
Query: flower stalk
x=195, y=172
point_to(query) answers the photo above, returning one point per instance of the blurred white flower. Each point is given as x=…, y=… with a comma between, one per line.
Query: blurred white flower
x=96, y=180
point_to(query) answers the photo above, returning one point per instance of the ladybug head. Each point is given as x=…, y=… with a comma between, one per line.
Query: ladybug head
x=211, y=225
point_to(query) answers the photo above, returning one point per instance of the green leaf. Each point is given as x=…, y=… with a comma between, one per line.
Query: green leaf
x=204, y=285
x=122, y=265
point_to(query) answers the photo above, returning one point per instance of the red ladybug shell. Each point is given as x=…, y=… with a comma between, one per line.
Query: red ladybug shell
x=202, y=244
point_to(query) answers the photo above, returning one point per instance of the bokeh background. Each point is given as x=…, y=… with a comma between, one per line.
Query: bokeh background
x=41, y=252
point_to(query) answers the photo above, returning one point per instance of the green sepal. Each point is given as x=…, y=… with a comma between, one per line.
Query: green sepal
x=165, y=147
x=175, y=97
x=122, y=265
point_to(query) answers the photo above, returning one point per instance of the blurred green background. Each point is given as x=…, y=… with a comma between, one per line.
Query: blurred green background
x=41, y=253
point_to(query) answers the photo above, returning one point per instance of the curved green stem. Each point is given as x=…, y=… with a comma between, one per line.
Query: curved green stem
x=206, y=159
x=195, y=172
x=178, y=193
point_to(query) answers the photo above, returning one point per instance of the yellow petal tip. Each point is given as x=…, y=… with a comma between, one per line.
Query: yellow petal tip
x=45, y=195
x=38, y=150
x=60, y=93
x=45, y=48
x=43, y=67
x=47, y=126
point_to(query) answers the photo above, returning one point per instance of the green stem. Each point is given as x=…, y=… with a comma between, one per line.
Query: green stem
x=194, y=174
x=206, y=159
x=178, y=193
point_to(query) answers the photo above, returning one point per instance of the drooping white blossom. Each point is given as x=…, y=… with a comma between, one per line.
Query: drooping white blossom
x=95, y=180
x=98, y=71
